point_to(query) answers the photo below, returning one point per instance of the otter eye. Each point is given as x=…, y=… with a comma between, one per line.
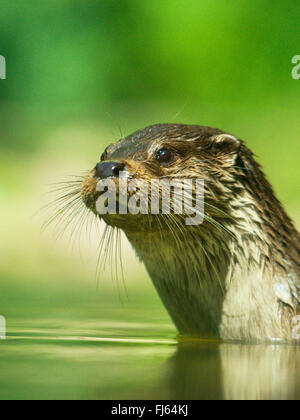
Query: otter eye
x=165, y=155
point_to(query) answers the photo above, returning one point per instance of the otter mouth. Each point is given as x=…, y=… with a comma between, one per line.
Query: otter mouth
x=101, y=195
x=123, y=198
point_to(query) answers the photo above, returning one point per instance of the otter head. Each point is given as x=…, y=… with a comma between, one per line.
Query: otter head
x=172, y=153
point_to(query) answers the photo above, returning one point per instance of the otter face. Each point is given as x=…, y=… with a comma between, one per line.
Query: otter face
x=169, y=152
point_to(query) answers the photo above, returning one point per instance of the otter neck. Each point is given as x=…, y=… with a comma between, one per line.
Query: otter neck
x=217, y=286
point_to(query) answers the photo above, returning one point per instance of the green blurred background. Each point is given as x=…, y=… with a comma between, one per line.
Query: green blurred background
x=79, y=75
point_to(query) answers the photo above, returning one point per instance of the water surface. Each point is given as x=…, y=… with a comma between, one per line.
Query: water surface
x=94, y=358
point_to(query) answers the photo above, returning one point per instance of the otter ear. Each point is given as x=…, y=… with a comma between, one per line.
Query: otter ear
x=225, y=143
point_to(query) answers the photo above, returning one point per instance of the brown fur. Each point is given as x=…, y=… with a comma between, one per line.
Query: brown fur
x=225, y=277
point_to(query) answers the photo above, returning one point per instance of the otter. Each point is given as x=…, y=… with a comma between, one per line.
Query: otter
x=236, y=276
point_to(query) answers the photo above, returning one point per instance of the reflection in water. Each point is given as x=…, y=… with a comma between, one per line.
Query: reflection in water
x=234, y=371
x=260, y=372
x=194, y=372
x=49, y=363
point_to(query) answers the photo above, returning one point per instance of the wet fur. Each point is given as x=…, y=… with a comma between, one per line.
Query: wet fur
x=237, y=275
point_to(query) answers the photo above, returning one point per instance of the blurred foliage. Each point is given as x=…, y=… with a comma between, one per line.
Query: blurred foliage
x=72, y=58
x=71, y=51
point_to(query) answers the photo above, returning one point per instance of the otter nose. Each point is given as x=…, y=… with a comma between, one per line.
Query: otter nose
x=106, y=169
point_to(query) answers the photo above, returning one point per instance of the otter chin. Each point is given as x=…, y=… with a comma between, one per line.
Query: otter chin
x=235, y=276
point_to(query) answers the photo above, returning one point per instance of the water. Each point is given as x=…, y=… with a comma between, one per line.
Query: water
x=91, y=358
